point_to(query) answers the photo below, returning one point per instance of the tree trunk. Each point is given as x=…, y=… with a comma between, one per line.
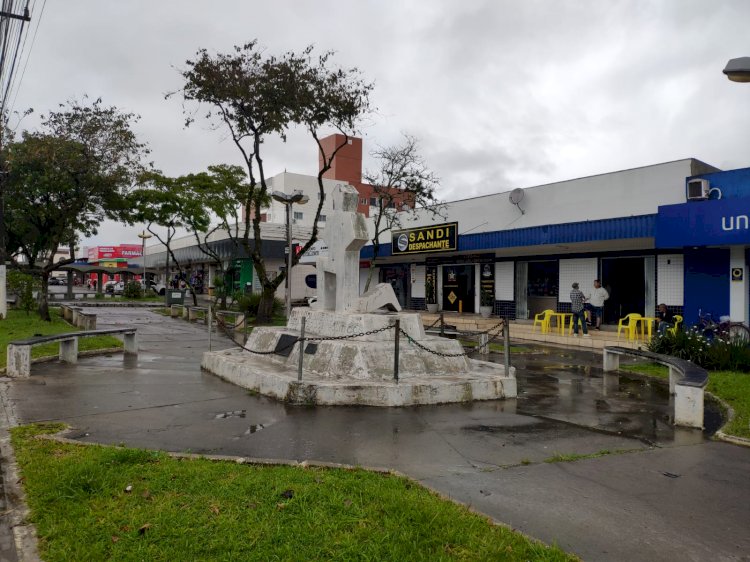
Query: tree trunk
x=43, y=304
x=265, y=307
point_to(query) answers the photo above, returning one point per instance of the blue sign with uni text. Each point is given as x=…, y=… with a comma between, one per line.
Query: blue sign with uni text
x=716, y=222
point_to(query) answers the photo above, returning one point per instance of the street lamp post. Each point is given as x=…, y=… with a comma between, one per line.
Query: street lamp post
x=144, y=236
x=288, y=200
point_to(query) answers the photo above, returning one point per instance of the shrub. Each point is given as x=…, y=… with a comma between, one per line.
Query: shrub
x=714, y=354
x=250, y=303
x=23, y=286
x=132, y=290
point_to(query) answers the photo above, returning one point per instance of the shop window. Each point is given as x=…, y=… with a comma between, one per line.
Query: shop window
x=543, y=279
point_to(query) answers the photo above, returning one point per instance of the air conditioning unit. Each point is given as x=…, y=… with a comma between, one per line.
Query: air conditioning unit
x=698, y=190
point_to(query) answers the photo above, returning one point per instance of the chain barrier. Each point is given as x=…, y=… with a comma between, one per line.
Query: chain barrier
x=492, y=329
x=350, y=336
x=291, y=344
x=428, y=350
x=435, y=323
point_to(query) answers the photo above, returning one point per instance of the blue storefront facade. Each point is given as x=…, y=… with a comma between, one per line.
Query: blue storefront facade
x=714, y=235
x=690, y=253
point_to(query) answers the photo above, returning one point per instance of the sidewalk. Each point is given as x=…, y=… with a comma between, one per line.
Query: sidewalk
x=665, y=496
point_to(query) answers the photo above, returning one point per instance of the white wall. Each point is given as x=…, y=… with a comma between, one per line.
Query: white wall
x=670, y=279
x=417, y=286
x=582, y=271
x=504, y=281
x=288, y=183
x=638, y=191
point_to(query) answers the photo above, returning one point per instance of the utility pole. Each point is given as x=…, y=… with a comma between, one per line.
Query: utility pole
x=25, y=17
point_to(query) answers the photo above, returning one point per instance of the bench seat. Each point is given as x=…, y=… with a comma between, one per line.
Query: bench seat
x=19, y=351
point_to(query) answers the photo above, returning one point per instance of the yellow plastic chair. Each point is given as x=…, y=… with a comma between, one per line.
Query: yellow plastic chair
x=629, y=324
x=543, y=320
x=677, y=321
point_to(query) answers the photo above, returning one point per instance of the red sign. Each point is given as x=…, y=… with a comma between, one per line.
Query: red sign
x=123, y=251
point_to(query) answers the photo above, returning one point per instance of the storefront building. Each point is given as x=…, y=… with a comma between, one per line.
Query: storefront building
x=113, y=256
x=673, y=233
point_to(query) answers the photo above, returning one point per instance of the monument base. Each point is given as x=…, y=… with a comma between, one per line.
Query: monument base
x=281, y=383
x=357, y=367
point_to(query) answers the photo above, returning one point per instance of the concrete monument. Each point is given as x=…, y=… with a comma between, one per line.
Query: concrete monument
x=348, y=355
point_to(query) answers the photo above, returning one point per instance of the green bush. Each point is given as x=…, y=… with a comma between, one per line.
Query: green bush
x=250, y=303
x=132, y=290
x=716, y=354
x=23, y=286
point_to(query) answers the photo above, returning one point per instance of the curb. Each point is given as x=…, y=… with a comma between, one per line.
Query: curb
x=720, y=435
x=59, y=437
x=24, y=533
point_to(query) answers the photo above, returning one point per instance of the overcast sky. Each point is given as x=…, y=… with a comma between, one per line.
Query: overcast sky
x=501, y=93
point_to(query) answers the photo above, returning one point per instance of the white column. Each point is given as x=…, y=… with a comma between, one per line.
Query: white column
x=738, y=298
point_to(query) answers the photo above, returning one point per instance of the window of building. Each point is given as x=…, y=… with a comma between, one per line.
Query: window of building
x=324, y=196
x=322, y=218
x=363, y=200
x=298, y=215
x=373, y=202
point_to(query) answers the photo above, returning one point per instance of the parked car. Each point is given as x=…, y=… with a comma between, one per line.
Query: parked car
x=55, y=281
x=114, y=287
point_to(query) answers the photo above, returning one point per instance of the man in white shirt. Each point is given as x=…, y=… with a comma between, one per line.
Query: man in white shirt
x=595, y=303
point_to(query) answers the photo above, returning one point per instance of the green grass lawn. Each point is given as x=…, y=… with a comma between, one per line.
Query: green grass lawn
x=84, y=509
x=19, y=326
x=731, y=386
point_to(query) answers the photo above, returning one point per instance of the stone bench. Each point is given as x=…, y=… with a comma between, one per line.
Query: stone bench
x=76, y=316
x=686, y=382
x=19, y=352
x=194, y=311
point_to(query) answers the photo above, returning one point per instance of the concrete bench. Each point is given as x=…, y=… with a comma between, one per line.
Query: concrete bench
x=19, y=352
x=686, y=382
x=76, y=316
x=194, y=311
x=176, y=310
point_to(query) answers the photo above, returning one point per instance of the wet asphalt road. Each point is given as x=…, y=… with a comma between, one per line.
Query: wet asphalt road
x=667, y=496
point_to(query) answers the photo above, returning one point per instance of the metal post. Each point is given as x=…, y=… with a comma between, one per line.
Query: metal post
x=301, y=349
x=244, y=321
x=442, y=325
x=289, y=260
x=506, y=345
x=209, y=322
x=395, y=350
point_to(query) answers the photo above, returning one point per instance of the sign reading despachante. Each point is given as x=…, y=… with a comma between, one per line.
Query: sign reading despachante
x=438, y=238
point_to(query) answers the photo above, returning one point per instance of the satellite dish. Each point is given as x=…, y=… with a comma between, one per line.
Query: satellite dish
x=516, y=196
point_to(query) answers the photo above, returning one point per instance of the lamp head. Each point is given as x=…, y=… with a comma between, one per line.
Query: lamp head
x=738, y=70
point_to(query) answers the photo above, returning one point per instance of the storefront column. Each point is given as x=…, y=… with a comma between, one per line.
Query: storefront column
x=738, y=290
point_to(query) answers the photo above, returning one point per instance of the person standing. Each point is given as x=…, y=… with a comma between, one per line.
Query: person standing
x=577, y=300
x=595, y=303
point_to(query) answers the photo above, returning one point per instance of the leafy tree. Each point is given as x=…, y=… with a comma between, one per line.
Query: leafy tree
x=254, y=96
x=167, y=202
x=402, y=186
x=64, y=179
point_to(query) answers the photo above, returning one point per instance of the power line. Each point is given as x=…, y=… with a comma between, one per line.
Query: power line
x=28, y=55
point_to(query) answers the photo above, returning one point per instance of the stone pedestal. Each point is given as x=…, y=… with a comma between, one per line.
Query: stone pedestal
x=358, y=367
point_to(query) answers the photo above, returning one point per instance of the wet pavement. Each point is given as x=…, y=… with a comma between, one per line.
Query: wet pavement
x=664, y=495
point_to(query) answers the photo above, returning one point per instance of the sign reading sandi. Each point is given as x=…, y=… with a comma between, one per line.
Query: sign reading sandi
x=438, y=238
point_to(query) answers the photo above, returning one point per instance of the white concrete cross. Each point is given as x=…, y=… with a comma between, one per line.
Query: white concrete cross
x=345, y=234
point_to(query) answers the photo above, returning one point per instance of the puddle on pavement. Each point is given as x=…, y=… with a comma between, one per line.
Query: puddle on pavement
x=233, y=414
x=571, y=388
